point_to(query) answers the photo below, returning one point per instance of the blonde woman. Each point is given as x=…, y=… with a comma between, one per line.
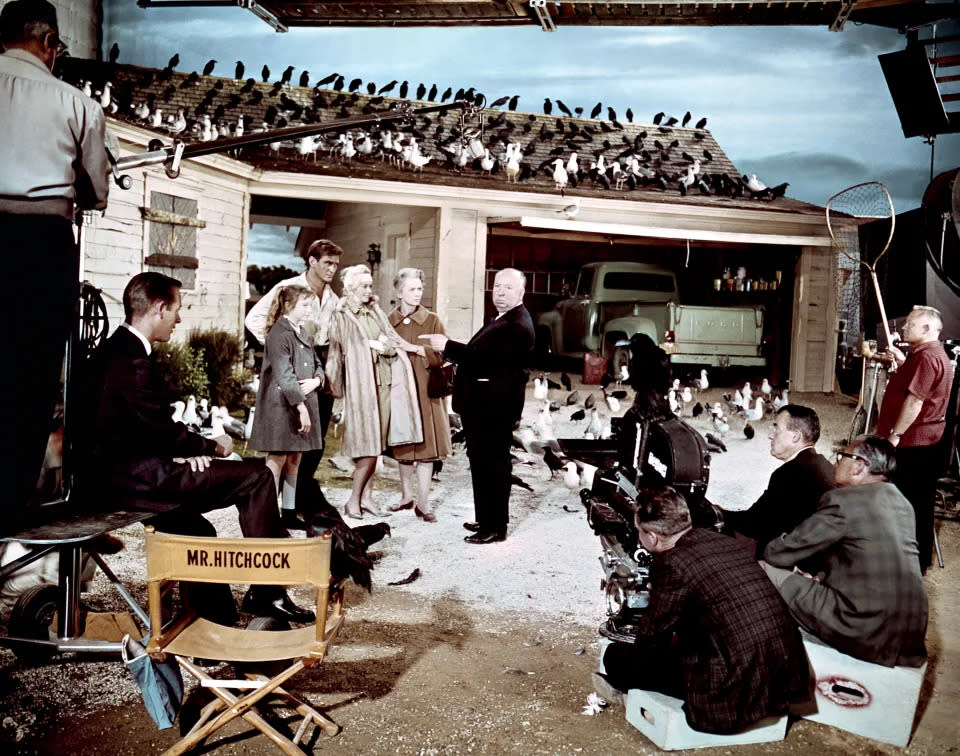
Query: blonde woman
x=411, y=320
x=368, y=368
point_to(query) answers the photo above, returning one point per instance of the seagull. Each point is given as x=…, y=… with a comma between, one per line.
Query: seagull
x=755, y=413
x=157, y=119
x=765, y=387
x=572, y=209
x=560, y=177
x=105, y=98
x=701, y=383
x=540, y=389
x=571, y=476
x=573, y=166
x=190, y=416
x=613, y=404
x=178, y=408
x=754, y=184
x=487, y=162
x=781, y=401
x=595, y=426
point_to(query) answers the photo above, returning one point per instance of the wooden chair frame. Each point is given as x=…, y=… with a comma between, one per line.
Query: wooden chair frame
x=255, y=561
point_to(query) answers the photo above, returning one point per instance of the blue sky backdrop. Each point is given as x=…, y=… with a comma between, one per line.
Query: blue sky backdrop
x=797, y=104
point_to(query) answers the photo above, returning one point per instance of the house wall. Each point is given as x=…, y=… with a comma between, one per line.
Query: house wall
x=79, y=23
x=407, y=237
x=116, y=244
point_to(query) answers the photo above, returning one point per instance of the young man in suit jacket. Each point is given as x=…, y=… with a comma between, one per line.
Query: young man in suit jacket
x=488, y=394
x=715, y=633
x=145, y=460
x=795, y=487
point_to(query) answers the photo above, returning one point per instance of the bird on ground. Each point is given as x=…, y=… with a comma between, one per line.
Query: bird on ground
x=432, y=94
x=422, y=90
x=566, y=382
x=208, y=68
x=141, y=111
x=571, y=476
x=702, y=383
x=571, y=210
x=179, y=123
x=721, y=425
x=540, y=389
x=715, y=444
x=748, y=431
x=552, y=461
x=629, y=115
x=156, y=120
x=487, y=162
x=595, y=426
x=238, y=70
x=106, y=99
x=578, y=415
x=114, y=52
x=697, y=410
x=543, y=425
x=613, y=404
x=512, y=167
x=765, y=387
x=674, y=403
x=520, y=483
x=572, y=398
x=190, y=416
x=87, y=88
x=590, y=402
x=755, y=413
x=747, y=393
x=781, y=400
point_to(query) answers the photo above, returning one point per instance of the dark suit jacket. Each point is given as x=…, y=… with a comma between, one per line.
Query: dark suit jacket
x=132, y=433
x=871, y=601
x=741, y=651
x=492, y=366
x=791, y=497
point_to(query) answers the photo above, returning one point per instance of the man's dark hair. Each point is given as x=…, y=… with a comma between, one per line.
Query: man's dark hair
x=146, y=288
x=663, y=511
x=322, y=248
x=879, y=454
x=26, y=20
x=804, y=420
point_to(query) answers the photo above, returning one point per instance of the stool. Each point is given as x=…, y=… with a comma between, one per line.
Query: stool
x=863, y=698
x=661, y=719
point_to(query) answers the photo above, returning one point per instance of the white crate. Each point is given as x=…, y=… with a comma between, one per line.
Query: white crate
x=662, y=720
x=863, y=698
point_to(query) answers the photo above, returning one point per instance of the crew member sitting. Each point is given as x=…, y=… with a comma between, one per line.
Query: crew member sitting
x=145, y=460
x=869, y=601
x=715, y=634
x=795, y=487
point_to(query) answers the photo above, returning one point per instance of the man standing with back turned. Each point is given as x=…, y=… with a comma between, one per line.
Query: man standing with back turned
x=52, y=162
x=913, y=417
x=488, y=394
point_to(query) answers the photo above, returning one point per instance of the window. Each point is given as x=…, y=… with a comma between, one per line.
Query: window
x=638, y=282
x=173, y=225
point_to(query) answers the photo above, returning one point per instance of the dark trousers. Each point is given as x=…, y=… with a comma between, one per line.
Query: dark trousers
x=918, y=468
x=163, y=486
x=648, y=664
x=40, y=268
x=488, y=448
x=310, y=460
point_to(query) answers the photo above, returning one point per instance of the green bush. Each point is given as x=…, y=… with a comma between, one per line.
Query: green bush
x=182, y=370
x=222, y=354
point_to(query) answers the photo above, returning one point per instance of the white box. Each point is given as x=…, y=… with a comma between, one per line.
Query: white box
x=863, y=698
x=662, y=720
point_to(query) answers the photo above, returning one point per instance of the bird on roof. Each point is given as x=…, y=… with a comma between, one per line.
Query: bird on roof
x=287, y=75
x=560, y=177
x=596, y=110
x=611, y=114
x=208, y=68
x=328, y=79
x=754, y=184
x=701, y=124
x=404, y=89
x=178, y=124
x=174, y=61
x=114, y=52
x=571, y=210
x=265, y=73
x=658, y=118
x=547, y=106
x=686, y=119
x=387, y=87
x=238, y=70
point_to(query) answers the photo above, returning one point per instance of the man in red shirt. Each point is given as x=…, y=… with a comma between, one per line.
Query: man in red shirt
x=913, y=417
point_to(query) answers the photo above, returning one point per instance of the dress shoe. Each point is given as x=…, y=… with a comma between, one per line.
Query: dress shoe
x=400, y=507
x=487, y=536
x=351, y=515
x=276, y=604
x=473, y=527
x=425, y=516
x=375, y=511
x=291, y=520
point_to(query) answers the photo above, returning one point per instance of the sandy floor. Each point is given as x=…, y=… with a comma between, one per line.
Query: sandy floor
x=490, y=650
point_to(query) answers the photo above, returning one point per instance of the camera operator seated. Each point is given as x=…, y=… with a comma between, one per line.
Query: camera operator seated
x=869, y=600
x=141, y=459
x=795, y=487
x=714, y=634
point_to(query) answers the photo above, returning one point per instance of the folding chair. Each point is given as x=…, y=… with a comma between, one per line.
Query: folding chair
x=257, y=561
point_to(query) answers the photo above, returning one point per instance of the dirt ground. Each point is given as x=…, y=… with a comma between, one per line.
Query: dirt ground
x=489, y=651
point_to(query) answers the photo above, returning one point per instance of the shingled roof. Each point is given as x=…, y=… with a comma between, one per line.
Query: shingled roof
x=665, y=153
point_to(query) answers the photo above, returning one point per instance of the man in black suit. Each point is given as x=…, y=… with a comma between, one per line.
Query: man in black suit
x=488, y=394
x=145, y=460
x=795, y=487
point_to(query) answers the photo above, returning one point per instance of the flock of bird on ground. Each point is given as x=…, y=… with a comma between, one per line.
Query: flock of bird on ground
x=580, y=153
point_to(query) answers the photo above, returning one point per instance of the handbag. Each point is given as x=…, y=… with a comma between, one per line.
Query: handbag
x=160, y=682
x=440, y=380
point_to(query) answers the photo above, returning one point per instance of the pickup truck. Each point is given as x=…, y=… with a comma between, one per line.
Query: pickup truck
x=612, y=301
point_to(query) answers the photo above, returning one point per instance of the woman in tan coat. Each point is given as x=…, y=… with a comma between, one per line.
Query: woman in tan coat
x=411, y=321
x=367, y=366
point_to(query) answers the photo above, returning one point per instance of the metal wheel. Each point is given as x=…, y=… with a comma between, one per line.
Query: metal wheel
x=94, y=323
x=858, y=425
x=32, y=617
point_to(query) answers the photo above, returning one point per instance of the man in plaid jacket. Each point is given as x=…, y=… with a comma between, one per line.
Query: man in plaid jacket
x=715, y=634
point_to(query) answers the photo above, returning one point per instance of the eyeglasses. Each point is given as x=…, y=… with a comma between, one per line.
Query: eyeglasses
x=842, y=454
x=59, y=47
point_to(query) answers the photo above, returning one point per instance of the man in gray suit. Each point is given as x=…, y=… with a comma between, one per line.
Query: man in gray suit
x=869, y=601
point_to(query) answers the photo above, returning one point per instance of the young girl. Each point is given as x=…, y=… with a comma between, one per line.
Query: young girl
x=287, y=419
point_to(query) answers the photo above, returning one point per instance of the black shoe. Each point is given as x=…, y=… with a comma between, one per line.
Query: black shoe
x=291, y=520
x=487, y=536
x=473, y=527
x=277, y=605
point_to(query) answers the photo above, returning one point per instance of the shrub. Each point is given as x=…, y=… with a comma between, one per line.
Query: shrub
x=222, y=354
x=182, y=370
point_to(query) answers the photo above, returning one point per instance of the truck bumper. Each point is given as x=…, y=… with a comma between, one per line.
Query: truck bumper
x=718, y=360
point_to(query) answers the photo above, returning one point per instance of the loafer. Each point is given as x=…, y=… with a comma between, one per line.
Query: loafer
x=425, y=516
x=487, y=536
x=277, y=605
x=473, y=527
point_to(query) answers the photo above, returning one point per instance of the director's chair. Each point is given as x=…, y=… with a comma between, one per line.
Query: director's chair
x=256, y=561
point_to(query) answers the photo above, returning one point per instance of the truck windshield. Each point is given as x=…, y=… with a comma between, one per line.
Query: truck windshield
x=584, y=283
x=632, y=281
